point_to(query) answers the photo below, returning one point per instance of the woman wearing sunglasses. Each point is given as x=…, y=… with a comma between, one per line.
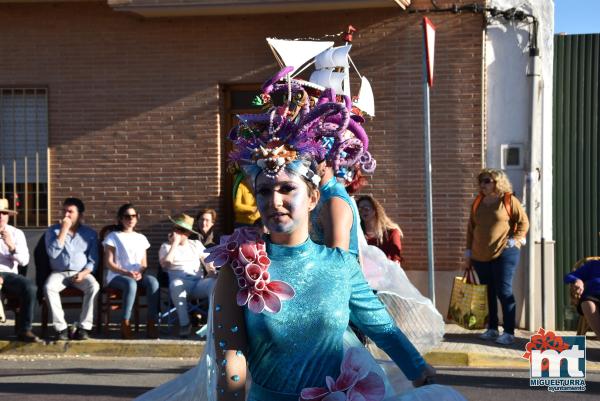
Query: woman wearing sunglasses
x=496, y=231
x=125, y=258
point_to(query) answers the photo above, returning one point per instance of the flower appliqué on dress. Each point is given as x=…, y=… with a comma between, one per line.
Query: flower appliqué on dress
x=356, y=382
x=246, y=252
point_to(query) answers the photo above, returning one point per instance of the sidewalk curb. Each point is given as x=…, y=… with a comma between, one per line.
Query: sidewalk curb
x=489, y=361
x=193, y=349
x=123, y=348
x=474, y=360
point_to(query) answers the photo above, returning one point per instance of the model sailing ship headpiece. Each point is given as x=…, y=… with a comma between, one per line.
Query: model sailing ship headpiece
x=306, y=122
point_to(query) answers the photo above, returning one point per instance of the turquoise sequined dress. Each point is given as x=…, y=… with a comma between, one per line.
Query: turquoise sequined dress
x=333, y=189
x=303, y=343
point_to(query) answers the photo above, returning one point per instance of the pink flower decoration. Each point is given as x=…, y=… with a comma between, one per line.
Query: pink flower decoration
x=229, y=245
x=356, y=382
x=246, y=253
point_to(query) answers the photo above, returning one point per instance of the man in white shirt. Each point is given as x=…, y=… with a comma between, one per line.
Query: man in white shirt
x=14, y=252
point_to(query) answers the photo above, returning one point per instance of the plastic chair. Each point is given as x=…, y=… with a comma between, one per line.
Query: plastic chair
x=169, y=318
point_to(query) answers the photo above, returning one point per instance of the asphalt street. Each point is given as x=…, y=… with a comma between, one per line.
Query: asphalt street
x=94, y=379
x=510, y=384
x=98, y=379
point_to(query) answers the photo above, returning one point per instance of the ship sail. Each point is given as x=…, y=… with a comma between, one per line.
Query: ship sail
x=366, y=101
x=332, y=67
x=327, y=66
x=332, y=58
x=296, y=53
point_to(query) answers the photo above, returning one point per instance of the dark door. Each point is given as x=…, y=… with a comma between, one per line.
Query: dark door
x=238, y=100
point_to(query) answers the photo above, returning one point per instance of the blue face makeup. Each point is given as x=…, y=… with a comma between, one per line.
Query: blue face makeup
x=282, y=202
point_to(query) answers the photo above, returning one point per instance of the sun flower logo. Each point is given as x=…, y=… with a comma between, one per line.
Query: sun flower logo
x=545, y=340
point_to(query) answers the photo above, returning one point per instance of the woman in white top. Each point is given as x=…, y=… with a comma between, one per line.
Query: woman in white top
x=183, y=259
x=125, y=258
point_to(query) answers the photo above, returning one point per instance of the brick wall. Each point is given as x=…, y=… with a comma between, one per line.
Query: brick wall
x=134, y=107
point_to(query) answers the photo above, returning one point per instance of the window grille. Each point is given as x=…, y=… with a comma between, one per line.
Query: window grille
x=24, y=153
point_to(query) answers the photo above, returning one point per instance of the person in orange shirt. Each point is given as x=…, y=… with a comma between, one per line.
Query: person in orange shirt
x=496, y=231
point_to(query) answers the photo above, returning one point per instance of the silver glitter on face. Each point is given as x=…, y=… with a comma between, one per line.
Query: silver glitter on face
x=282, y=201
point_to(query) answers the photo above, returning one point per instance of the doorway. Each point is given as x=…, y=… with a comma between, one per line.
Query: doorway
x=237, y=100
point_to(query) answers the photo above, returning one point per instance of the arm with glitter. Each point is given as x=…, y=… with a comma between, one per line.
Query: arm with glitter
x=230, y=338
x=368, y=313
x=337, y=220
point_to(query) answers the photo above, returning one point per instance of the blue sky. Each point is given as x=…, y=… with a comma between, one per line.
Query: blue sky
x=577, y=16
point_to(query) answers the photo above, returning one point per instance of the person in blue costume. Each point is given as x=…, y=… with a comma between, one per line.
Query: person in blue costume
x=303, y=343
x=282, y=302
x=334, y=220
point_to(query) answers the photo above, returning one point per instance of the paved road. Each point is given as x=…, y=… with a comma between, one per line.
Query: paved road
x=94, y=379
x=97, y=379
x=505, y=385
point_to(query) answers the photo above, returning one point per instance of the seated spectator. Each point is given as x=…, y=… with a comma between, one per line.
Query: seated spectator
x=73, y=253
x=14, y=252
x=125, y=258
x=182, y=258
x=206, y=220
x=586, y=281
x=379, y=230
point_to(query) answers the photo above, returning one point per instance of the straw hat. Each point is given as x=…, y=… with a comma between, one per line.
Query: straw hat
x=4, y=207
x=184, y=221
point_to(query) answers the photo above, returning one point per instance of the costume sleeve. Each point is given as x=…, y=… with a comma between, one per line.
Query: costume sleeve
x=21, y=255
x=584, y=273
x=92, y=252
x=519, y=218
x=230, y=338
x=369, y=314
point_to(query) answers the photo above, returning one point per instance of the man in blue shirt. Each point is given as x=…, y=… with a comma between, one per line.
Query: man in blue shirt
x=73, y=253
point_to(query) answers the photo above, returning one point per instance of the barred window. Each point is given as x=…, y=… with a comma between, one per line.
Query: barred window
x=24, y=153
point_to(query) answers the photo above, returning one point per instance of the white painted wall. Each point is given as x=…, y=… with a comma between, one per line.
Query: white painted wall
x=508, y=99
x=508, y=94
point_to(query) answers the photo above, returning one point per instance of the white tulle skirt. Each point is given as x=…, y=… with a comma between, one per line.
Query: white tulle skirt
x=413, y=313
